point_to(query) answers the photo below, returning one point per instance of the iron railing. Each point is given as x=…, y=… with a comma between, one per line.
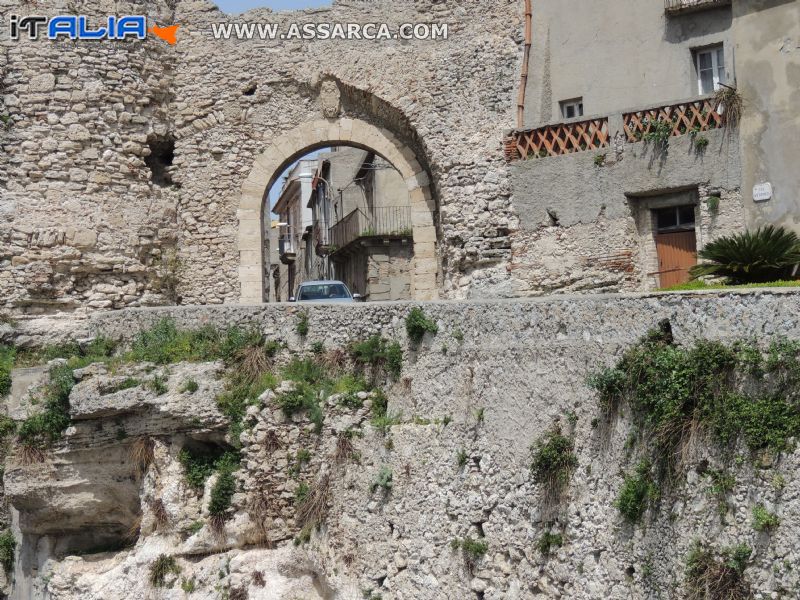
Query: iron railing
x=287, y=242
x=386, y=221
x=680, y=6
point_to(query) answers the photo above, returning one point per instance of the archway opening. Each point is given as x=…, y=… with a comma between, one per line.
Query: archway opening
x=339, y=213
x=255, y=222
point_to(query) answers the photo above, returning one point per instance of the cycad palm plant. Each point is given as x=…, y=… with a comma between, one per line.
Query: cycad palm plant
x=768, y=254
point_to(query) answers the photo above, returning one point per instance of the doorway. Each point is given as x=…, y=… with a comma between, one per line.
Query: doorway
x=676, y=243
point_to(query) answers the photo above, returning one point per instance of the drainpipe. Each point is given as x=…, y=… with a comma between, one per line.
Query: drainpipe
x=525, y=57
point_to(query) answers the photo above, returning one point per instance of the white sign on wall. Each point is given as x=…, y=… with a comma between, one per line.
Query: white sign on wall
x=762, y=192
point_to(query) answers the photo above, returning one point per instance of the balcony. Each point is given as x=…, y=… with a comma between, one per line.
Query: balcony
x=692, y=116
x=384, y=222
x=287, y=246
x=676, y=7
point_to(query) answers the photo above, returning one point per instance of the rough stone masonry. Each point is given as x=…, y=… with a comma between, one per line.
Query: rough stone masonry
x=455, y=463
x=93, y=215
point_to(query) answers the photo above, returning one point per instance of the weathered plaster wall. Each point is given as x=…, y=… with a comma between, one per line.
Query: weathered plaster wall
x=81, y=223
x=585, y=226
x=522, y=365
x=767, y=34
x=629, y=53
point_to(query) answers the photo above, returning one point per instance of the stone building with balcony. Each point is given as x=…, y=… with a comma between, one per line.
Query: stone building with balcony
x=362, y=218
x=629, y=154
x=345, y=215
x=297, y=260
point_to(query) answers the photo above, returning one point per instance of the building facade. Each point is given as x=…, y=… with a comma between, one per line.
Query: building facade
x=135, y=174
x=345, y=215
x=631, y=157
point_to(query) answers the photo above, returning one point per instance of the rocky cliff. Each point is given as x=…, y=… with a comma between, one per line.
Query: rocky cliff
x=375, y=452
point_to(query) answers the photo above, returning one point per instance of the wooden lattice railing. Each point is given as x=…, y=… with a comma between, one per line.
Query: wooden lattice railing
x=686, y=117
x=554, y=140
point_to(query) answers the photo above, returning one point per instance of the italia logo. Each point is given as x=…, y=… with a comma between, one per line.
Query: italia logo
x=76, y=27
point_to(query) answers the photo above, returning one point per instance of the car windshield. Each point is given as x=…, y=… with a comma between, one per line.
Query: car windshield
x=324, y=291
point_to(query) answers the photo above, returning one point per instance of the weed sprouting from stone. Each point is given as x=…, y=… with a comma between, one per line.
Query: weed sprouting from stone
x=763, y=519
x=417, y=325
x=473, y=550
x=554, y=461
x=383, y=480
x=712, y=575
x=548, y=541
x=302, y=324
x=189, y=386
x=676, y=391
x=637, y=493
x=162, y=568
x=8, y=546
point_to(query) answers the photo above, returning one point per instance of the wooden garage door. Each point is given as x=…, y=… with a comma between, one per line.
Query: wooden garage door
x=677, y=253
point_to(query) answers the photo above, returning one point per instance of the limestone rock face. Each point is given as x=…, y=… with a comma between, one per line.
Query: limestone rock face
x=280, y=574
x=395, y=494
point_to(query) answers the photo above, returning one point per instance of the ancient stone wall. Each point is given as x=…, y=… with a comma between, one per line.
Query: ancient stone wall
x=84, y=224
x=468, y=405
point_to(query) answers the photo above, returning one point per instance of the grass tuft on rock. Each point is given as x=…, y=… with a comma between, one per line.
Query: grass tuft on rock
x=161, y=569
x=711, y=574
x=638, y=492
x=417, y=325
x=8, y=546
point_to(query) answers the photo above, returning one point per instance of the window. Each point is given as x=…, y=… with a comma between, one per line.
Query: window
x=329, y=291
x=675, y=218
x=572, y=108
x=710, y=65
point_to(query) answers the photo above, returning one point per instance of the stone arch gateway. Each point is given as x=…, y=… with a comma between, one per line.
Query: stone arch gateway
x=331, y=132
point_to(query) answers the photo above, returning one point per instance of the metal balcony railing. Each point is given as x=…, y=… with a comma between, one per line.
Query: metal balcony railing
x=672, y=7
x=387, y=221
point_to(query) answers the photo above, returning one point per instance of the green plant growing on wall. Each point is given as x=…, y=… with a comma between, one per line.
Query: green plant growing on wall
x=599, y=160
x=461, y=458
x=42, y=429
x=7, y=355
x=8, y=546
x=638, y=492
x=378, y=353
x=166, y=278
x=302, y=324
x=473, y=550
x=158, y=385
x=722, y=484
x=189, y=386
x=713, y=204
x=554, y=461
x=700, y=143
x=710, y=575
x=222, y=492
x=162, y=568
x=549, y=541
x=763, y=520
x=657, y=132
x=730, y=104
x=417, y=325
x=125, y=384
x=767, y=254
x=383, y=480
x=674, y=390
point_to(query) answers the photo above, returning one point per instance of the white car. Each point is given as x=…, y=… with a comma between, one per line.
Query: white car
x=324, y=291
